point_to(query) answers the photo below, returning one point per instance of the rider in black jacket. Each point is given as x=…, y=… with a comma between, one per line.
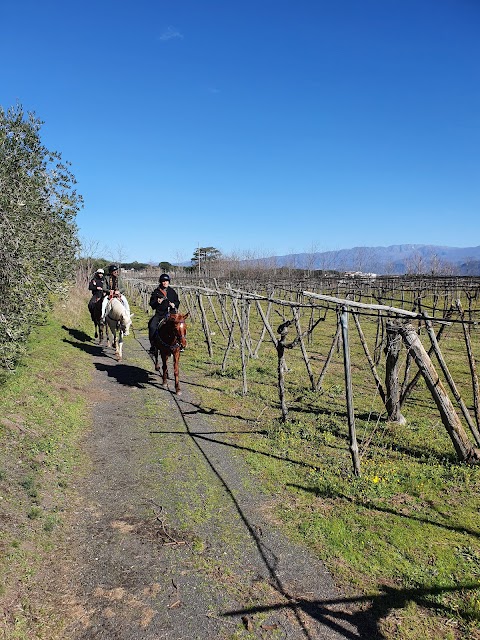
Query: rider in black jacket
x=98, y=286
x=165, y=301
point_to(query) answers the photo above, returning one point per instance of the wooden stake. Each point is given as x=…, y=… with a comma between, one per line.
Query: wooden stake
x=465, y=451
x=349, y=393
x=473, y=368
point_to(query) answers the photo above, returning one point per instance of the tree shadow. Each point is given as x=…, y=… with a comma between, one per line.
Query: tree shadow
x=81, y=336
x=370, y=505
x=366, y=612
x=202, y=436
x=95, y=350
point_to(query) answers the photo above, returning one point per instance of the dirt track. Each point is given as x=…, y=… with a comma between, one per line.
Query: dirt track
x=135, y=569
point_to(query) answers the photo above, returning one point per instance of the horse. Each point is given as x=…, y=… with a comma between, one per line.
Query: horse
x=117, y=318
x=170, y=339
x=96, y=308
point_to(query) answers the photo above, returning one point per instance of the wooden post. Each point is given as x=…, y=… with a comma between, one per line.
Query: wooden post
x=407, y=388
x=336, y=338
x=473, y=368
x=349, y=393
x=229, y=344
x=281, y=368
x=302, y=346
x=465, y=451
x=243, y=342
x=450, y=380
x=206, y=328
x=369, y=357
x=392, y=385
x=264, y=328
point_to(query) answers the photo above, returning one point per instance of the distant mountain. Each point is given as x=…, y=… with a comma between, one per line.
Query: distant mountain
x=395, y=259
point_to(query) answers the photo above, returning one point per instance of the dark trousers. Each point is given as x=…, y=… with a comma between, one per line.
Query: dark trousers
x=153, y=325
x=92, y=302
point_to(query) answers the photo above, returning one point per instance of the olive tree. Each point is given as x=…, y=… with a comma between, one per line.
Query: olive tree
x=38, y=234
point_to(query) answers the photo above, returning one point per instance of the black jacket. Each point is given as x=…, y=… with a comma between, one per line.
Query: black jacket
x=97, y=282
x=163, y=308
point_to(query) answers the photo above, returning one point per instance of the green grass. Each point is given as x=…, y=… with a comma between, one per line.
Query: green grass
x=44, y=412
x=407, y=532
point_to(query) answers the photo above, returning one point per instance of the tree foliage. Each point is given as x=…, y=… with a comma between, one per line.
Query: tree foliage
x=38, y=234
x=205, y=254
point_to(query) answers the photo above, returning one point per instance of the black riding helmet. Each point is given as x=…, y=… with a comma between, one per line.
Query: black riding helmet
x=112, y=268
x=164, y=278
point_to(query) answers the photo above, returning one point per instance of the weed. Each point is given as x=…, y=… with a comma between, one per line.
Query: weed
x=34, y=513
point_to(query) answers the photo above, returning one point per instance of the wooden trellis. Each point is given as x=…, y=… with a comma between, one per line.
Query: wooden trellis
x=230, y=310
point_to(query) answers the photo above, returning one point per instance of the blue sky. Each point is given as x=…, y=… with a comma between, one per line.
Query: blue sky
x=256, y=127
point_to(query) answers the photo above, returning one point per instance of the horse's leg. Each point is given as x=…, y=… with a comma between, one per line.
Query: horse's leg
x=176, y=358
x=119, y=345
x=155, y=355
x=165, y=371
x=107, y=331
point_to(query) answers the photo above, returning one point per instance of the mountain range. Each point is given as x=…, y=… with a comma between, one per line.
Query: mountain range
x=395, y=259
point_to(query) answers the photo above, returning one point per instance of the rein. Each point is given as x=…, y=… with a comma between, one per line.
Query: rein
x=173, y=347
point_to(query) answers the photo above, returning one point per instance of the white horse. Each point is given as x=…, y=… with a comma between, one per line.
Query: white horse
x=117, y=318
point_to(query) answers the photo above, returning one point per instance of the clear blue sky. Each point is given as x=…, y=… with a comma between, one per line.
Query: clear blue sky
x=264, y=126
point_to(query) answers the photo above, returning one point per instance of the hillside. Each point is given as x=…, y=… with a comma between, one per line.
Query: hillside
x=395, y=259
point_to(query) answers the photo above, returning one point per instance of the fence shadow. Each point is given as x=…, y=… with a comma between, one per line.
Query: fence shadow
x=366, y=612
x=381, y=509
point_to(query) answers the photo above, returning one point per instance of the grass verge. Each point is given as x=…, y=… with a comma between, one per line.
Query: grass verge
x=44, y=413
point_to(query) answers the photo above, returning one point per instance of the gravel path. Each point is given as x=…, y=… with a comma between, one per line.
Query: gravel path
x=134, y=568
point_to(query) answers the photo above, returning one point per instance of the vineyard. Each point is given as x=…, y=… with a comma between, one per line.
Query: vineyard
x=392, y=350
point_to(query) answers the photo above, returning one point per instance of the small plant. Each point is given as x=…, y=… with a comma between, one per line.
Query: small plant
x=50, y=522
x=34, y=513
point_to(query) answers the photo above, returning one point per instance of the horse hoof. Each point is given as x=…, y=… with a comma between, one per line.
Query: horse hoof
x=178, y=393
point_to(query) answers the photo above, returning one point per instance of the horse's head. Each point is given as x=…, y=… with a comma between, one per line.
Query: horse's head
x=179, y=328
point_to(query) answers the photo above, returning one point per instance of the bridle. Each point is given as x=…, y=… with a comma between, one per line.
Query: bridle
x=175, y=345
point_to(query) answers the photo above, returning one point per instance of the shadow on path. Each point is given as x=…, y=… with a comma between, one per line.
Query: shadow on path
x=300, y=609
x=81, y=336
x=378, y=608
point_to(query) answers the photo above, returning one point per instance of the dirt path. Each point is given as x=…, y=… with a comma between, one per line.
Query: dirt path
x=168, y=537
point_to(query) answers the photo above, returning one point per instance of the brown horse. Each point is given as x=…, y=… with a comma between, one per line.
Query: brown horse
x=170, y=339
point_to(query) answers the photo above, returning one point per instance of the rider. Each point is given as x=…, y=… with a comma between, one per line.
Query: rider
x=114, y=291
x=164, y=300
x=98, y=286
x=113, y=278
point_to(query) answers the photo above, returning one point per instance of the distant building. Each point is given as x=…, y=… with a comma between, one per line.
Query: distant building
x=360, y=274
